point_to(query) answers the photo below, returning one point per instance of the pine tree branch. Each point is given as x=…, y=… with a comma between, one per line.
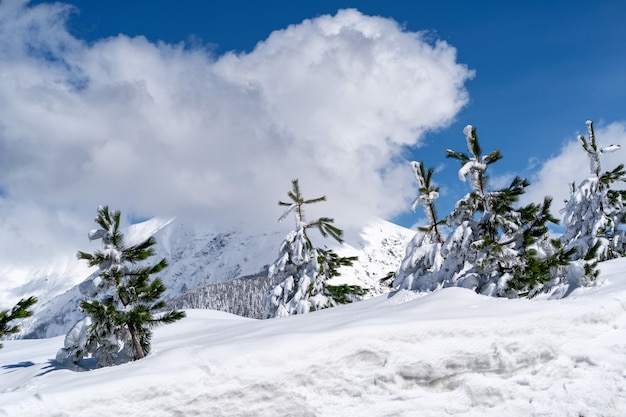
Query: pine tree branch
x=457, y=155
x=315, y=200
x=19, y=311
x=493, y=157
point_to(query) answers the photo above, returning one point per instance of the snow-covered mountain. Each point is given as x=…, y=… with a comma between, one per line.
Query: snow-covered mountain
x=448, y=353
x=200, y=256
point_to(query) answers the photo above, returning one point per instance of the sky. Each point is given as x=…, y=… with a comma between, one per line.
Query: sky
x=208, y=110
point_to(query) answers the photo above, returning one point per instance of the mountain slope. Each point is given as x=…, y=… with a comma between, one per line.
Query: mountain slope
x=203, y=255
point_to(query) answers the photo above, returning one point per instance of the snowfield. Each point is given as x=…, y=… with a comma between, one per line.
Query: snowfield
x=449, y=353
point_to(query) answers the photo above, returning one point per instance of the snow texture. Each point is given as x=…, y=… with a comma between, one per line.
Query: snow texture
x=449, y=353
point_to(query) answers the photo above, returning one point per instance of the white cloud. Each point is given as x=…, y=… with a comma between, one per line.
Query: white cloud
x=572, y=165
x=158, y=129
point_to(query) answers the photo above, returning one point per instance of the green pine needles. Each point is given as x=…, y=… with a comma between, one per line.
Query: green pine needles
x=329, y=263
x=126, y=305
x=19, y=311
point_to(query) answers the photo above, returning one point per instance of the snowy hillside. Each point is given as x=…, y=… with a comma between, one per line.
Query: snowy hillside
x=379, y=247
x=450, y=353
x=203, y=255
x=49, y=280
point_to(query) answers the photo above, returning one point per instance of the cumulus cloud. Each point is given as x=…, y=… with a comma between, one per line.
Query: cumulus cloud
x=169, y=130
x=572, y=165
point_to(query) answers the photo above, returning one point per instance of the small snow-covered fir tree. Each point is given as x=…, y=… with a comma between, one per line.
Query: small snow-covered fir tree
x=423, y=254
x=301, y=271
x=594, y=212
x=124, y=302
x=493, y=246
x=19, y=311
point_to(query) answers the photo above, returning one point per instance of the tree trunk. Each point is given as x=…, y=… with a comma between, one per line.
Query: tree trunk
x=136, y=343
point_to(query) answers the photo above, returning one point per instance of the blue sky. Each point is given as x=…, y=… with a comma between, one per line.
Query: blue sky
x=542, y=67
x=209, y=108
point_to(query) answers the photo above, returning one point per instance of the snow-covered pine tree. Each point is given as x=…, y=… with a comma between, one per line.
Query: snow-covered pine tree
x=492, y=246
x=124, y=304
x=505, y=248
x=594, y=212
x=423, y=254
x=301, y=271
x=19, y=311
